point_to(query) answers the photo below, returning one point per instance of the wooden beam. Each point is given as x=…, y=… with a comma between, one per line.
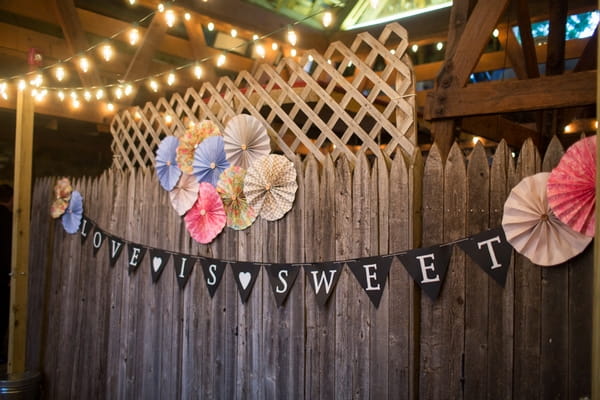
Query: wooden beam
x=20, y=233
x=527, y=43
x=567, y=90
x=75, y=38
x=555, y=63
x=588, y=57
x=497, y=128
x=514, y=52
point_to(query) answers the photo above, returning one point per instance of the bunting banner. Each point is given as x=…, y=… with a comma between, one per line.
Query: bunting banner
x=282, y=278
x=490, y=250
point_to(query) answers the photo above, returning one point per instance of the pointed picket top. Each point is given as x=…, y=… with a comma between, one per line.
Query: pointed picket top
x=433, y=159
x=554, y=152
x=529, y=162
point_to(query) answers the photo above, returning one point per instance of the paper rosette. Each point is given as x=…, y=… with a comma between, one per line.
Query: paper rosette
x=62, y=194
x=572, y=187
x=71, y=219
x=206, y=219
x=166, y=164
x=188, y=142
x=231, y=189
x=246, y=140
x=533, y=230
x=270, y=186
x=184, y=194
x=210, y=160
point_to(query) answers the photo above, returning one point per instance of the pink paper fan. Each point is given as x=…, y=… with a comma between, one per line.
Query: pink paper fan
x=206, y=219
x=571, y=187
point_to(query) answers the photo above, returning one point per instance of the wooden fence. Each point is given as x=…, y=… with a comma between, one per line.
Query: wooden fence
x=98, y=333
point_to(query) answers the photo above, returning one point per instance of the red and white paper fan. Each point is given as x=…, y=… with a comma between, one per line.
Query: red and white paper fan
x=270, y=186
x=246, y=140
x=533, y=230
x=572, y=187
x=184, y=194
x=206, y=219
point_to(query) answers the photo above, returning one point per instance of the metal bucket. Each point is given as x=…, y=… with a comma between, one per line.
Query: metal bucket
x=26, y=386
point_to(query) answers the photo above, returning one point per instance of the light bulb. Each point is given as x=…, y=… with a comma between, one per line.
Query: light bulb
x=293, y=52
x=495, y=33
x=61, y=95
x=260, y=50
x=439, y=46
x=211, y=26
x=198, y=71
x=221, y=60
x=153, y=85
x=327, y=18
x=76, y=104
x=99, y=94
x=291, y=36
x=87, y=95
x=171, y=79
x=84, y=64
x=110, y=107
x=22, y=84
x=161, y=7
x=255, y=37
x=73, y=94
x=131, y=2
x=414, y=48
x=170, y=18
x=107, y=52
x=134, y=36
x=119, y=93
x=37, y=81
x=4, y=95
x=274, y=46
x=310, y=58
x=128, y=89
x=168, y=119
x=234, y=32
x=187, y=16
x=59, y=73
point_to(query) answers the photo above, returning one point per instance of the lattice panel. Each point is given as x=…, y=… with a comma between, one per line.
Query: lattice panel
x=312, y=106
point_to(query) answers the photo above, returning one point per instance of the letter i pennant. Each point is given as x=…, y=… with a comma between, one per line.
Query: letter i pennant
x=428, y=267
x=372, y=274
x=322, y=278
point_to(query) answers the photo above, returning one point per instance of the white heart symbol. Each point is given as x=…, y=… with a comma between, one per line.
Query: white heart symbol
x=156, y=262
x=245, y=279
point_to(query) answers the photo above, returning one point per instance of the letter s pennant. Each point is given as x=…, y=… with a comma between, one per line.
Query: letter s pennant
x=428, y=267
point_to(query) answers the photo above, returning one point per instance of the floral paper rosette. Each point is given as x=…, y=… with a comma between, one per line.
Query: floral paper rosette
x=188, y=142
x=230, y=187
x=62, y=195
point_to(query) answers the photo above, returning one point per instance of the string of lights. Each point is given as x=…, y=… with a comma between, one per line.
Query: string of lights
x=119, y=89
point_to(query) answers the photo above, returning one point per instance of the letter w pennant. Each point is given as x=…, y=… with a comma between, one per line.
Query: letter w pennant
x=323, y=278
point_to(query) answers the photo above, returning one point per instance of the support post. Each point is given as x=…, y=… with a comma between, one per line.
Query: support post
x=20, y=233
x=596, y=289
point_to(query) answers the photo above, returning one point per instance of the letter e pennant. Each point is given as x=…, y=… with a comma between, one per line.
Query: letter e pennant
x=491, y=251
x=135, y=255
x=213, y=272
x=372, y=273
x=245, y=274
x=282, y=277
x=323, y=278
x=428, y=267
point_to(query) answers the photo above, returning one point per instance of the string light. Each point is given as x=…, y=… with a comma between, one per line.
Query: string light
x=119, y=93
x=211, y=26
x=3, y=93
x=22, y=84
x=274, y=46
x=134, y=36
x=171, y=79
x=439, y=46
x=260, y=50
x=107, y=52
x=161, y=7
x=37, y=81
x=293, y=52
x=99, y=94
x=495, y=33
x=153, y=85
x=255, y=37
x=59, y=73
x=128, y=90
x=87, y=95
x=197, y=71
x=84, y=64
x=221, y=60
x=291, y=36
x=131, y=2
x=170, y=18
x=187, y=16
x=234, y=33
x=327, y=19
x=61, y=95
x=110, y=107
x=75, y=103
x=414, y=48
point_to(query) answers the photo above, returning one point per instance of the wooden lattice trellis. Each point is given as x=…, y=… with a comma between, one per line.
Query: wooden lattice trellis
x=308, y=106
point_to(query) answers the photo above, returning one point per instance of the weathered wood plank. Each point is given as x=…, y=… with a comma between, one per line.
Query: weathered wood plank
x=501, y=300
x=527, y=312
x=476, y=280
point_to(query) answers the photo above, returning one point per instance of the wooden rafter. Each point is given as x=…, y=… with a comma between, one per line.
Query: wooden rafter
x=75, y=37
x=566, y=90
x=496, y=128
x=588, y=58
x=528, y=46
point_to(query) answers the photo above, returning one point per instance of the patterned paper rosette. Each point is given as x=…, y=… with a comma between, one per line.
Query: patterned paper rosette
x=230, y=187
x=270, y=186
x=188, y=142
x=206, y=219
x=71, y=219
x=62, y=195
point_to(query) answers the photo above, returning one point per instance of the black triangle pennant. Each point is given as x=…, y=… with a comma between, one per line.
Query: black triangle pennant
x=97, y=239
x=158, y=261
x=491, y=251
x=213, y=272
x=86, y=227
x=282, y=277
x=184, y=265
x=428, y=267
x=135, y=255
x=323, y=278
x=372, y=273
x=115, y=247
x=245, y=274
